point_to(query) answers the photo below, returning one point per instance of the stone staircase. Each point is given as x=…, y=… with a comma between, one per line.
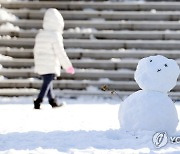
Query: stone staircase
x=104, y=40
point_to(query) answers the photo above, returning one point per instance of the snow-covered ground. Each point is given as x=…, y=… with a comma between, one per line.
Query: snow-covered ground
x=84, y=125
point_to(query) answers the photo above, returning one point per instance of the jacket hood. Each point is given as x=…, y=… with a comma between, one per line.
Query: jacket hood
x=53, y=20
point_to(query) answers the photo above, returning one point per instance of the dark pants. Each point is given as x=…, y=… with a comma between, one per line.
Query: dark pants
x=47, y=87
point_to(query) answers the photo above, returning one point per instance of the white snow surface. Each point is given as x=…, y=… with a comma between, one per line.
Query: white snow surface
x=84, y=125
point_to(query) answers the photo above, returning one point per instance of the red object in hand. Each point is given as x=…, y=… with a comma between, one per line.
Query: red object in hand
x=70, y=70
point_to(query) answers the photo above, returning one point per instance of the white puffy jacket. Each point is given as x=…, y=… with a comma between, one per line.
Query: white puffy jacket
x=49, y=53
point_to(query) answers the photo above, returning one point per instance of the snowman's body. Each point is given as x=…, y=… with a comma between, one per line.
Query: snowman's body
x=151, y=108
x=148, y=110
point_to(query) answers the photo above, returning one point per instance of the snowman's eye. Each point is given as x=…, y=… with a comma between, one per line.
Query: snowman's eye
x=165, y=65
x=151, y=60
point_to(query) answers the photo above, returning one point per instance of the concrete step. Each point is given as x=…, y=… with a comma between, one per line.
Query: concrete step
x=106, y=5
x=83, y=63
x=16, y=92
x=70, y=84
x=28, y=53
x=107, y=15
x=64, y=93
x=94, y=54
x=11, y=92
x=100, y=44
x=103, y=34
x=79, y=75
x=102, y=25
x=123, y=54
x=78, y=85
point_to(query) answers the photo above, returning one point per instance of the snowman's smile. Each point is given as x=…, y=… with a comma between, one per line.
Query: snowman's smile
x=158, y=70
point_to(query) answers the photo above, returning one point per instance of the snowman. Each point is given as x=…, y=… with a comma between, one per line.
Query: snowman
x=150, y=108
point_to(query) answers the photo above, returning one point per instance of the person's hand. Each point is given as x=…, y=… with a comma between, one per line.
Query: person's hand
x=70, y=70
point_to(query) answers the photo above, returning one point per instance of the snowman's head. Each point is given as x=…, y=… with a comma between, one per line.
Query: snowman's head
x=157, y=73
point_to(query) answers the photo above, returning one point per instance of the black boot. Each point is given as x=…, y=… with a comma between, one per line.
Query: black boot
x=54, y=104
x=37, y=103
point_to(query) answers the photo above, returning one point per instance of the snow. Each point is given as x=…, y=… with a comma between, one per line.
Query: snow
x=3, y=57
x=83, y=125
x=8, y=26
x=79, y=30
x=157, y=73
x=151, y=110
x=83, y=30
x=4, y=15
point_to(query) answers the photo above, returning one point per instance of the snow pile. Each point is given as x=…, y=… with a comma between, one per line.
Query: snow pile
x=8, y=26
x=4, y=15
x=92, y=89
x=150, y=108
x=104, y=80
x=5, y=37
x=3, y=57
x=7, y=17
x=115, y=59
x=98, y=20
x=81, y=30
x=89, y=10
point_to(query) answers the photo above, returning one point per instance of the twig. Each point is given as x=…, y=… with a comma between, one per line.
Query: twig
x=112, y=91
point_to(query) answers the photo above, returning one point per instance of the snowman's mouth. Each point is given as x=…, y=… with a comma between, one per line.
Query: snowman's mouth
x=158, y=70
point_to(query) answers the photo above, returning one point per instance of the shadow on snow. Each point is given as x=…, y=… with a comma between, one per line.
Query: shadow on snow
x=65, y=140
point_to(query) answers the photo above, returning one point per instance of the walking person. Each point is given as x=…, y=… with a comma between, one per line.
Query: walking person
x=49, y=56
